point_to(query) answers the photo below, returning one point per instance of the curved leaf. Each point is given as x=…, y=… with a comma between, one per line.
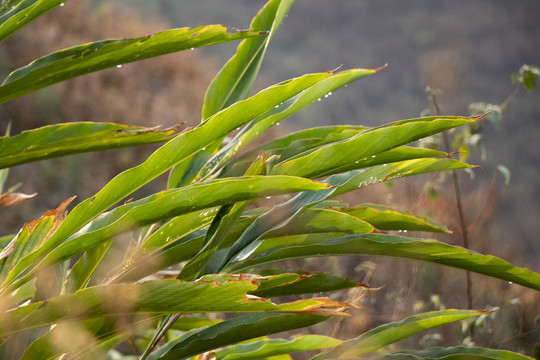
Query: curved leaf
x=153, y=297
x=73, y=138
x=233, y=331
x=235, y=79
x=262, y=123
x=292, y=144
x=16, y=14
x=403, y=247
x=172, y=153
x=83, y=59
x=366, y=144
x=172, y=203
x=387, y=218
x=271, y=347
x=455, y=353
x=392, y=332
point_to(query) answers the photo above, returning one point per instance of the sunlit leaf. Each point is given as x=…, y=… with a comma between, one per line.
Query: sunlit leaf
x=271, y=347
x=153, y=297
x=392, y=332
x=16, y=14
x=403, y=247
x=387, y=218
x=83, y=59
x=72, y=138
x=459, y=352
x=366, y=144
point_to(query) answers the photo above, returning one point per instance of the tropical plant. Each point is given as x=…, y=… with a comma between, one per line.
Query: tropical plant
x=144, y=272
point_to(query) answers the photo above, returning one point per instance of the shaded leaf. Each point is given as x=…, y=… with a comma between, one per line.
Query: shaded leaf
x=233, y=331
x=83, y=59
x=72, y=138
x=271, y=347
x=390, y=333
x=153, y=297
x=403, y=247
x=451, y=353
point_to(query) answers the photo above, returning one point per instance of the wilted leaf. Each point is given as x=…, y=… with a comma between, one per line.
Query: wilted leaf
x=14, y=199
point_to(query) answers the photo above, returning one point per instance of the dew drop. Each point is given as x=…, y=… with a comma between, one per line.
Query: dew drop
x=192, y=49
x=404, y=231
x=268, y=197
x=277, y=124
x=373, y=156
x=238, y=128
x=276, y=106
x=319, y=99
x=118, y=66
x=204, y=148
x=385, y=165
x=356, y=162
x=62, y=4
x=510, y=282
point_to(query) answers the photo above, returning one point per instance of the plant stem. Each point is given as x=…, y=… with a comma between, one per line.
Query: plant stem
x=170, y=320
x=461, y=213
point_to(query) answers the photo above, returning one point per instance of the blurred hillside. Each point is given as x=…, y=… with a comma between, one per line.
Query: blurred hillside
x=466, y=49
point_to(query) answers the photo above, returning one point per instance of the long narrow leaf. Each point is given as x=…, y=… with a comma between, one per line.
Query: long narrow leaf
x=392, y=332
x=175, y=202
x=153, y=297
x=72, y=138
x=234, y=81
x=272, y=347
x=80, y=60
x=459, y=352
x=403, y=247
x=173, y=152
x=233, y=331
x=16, y=14
x=366, y=144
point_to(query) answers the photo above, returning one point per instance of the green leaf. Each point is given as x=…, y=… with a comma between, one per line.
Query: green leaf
x=387, y=218
x=264, y=122
x=300, y=282
x=322, y=221
x=292, y=144
x=366, y=144
x=455, y=353
x=403, y=247
x=233, y=331
x=32, y=235
x=16, y=14
x=392, y=332
x=83, y=59
x=152, y=297
x=339, y=184
x=271, y=347
x=172, y=153
x=174, y=202
x=73, y=138
x=234, y=81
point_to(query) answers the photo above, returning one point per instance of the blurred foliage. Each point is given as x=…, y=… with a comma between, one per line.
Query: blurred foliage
x=118, y=273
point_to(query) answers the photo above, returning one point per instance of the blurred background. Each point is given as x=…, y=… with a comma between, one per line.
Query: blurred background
x=467, y=51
